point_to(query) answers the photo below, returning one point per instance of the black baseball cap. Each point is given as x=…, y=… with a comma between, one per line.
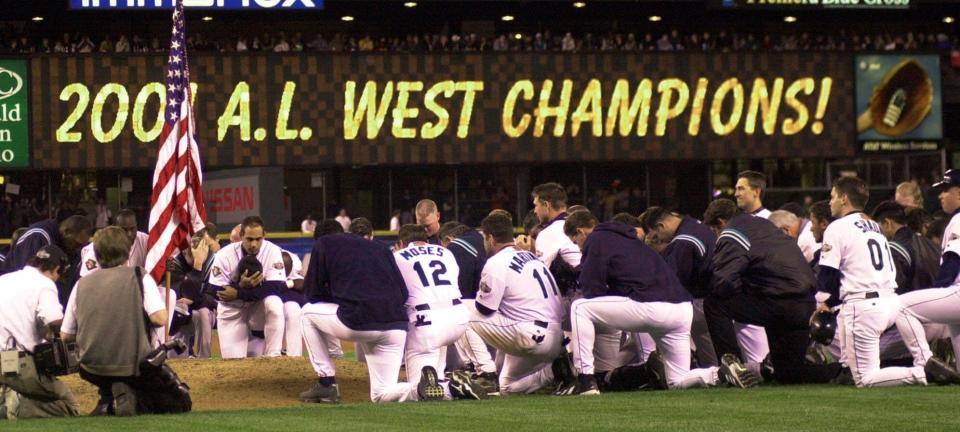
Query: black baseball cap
x=951, y=178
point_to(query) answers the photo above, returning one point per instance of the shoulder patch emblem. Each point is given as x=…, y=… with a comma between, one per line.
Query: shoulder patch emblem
x=216, y=271
x=91, y=264
x=484, y=287
x=278, y=265
x=954, y=237
x=826, y=247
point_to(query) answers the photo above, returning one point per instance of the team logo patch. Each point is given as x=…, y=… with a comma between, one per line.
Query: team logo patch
x=278, y=265
x=484, y=287
x=216, y=271
x=91, y=264
x=826, y=247
x=954, y=237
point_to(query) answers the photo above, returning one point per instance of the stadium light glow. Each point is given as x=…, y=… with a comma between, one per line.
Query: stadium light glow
x=410, y=4
x=208, y=18
x=579, y=5
x=948, y=20
x=655, y=18
x=346, y=18
x=790, y=19
x=37, y=18
x=518, y=36
x=506, y=18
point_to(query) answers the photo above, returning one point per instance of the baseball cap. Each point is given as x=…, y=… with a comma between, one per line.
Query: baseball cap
x=249, y=264
x=54, y=255
x=951, y=178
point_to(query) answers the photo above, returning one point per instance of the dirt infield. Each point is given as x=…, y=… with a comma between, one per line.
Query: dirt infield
x=247, y=383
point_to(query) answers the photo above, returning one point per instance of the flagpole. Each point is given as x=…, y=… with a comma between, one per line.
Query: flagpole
x=166, y=303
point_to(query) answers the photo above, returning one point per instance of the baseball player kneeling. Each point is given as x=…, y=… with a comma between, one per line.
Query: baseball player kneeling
x=249, y=300
x=437, y=317
x=355, y=292
x=627, y=286
x=518, y=312
x=857, y=270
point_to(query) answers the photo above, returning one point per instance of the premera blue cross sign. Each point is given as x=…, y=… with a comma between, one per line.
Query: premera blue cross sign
x=197, y=4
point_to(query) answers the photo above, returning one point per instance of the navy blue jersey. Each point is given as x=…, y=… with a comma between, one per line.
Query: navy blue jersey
x=362, y=277
x=468, y=250
x=38, y=235
x=689, y=253
x=617, y=263
x=755, y=257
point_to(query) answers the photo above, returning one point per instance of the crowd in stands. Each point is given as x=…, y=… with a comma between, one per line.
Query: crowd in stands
x=545, y=41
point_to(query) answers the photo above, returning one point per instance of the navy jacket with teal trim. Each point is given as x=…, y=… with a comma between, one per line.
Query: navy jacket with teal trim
x=754, y=257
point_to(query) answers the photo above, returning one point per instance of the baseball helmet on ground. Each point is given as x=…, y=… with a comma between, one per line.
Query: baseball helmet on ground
x=823, y=327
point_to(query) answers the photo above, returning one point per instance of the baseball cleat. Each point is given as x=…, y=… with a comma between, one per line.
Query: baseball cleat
x=429, y=389
x=657, y=371
x=587, y=385
x=320, y=393
x=734, y=374
x=488, y=381
x=462, y=387
x=124, y=399
x=940, y=373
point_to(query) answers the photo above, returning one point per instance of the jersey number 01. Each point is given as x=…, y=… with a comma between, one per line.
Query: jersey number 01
x=876, y=254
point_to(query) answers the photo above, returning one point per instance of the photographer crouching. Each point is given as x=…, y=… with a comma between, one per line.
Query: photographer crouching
x=29, y=313
x=110, y=313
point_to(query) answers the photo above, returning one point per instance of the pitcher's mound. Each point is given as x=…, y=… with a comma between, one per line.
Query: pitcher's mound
x=246, y=383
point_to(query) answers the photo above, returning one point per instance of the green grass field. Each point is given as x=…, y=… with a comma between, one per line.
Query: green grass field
x=820, y=408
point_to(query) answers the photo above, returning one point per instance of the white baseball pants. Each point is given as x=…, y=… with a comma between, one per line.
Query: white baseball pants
x=528, y=350
x=237, y=318
x=429, y=333
x=864, y=320
x=292, y=330
x=471, y=347
x=667, y=323
x=384, y=351
x=934, y=305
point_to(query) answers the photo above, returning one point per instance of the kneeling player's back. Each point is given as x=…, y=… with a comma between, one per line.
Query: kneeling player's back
x=430, y=272
x=855, y=245
x=519, y=286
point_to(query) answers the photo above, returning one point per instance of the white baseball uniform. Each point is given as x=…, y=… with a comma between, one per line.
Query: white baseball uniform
x=235, y=319
x=856, y=247
x=753, y=338
x=934, y=305
x=137, y=257
x=292, y=330
x=437, y=316
x=526, y=323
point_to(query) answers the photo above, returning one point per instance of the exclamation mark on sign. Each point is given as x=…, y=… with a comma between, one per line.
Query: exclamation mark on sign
x=825, y=85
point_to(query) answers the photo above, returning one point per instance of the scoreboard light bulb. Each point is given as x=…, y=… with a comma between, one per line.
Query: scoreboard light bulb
x=346, y=18
x=790, y=19
x=518, y=36
x=37, y=18
x=579, y=4
x=208, y=18
x=655, y=18
x=410, y=4
x=507, y=18
x=948, y=20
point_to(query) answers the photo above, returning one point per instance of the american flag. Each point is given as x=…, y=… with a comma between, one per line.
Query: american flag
x=177, y=202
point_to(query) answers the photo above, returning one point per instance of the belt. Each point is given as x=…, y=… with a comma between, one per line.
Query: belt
x=862, y=296
x=539, y=323
x=426, y=306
